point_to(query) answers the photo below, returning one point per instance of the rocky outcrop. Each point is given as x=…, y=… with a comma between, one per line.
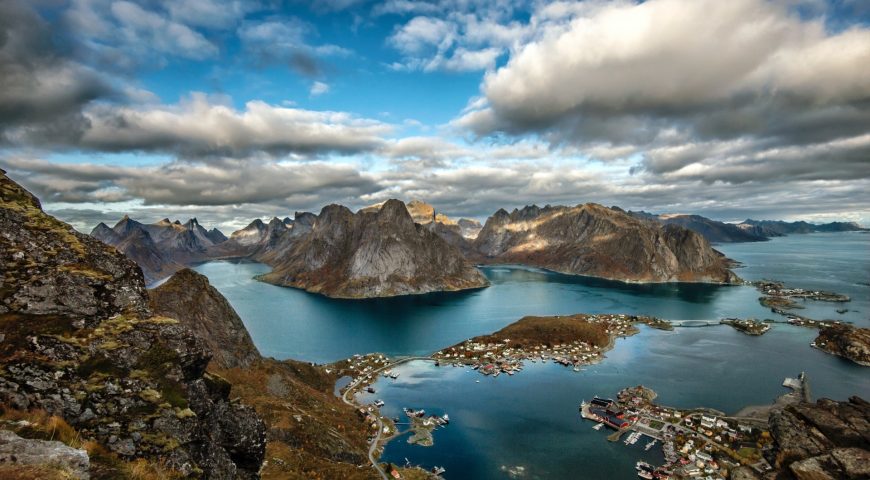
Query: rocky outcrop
x=825, y=440
x=597, y=241
x=79, y=341
x=161, y=248
x=372, y=254
x=845, y=341
x=188, y=297
x=55, y=456
x=469, y=228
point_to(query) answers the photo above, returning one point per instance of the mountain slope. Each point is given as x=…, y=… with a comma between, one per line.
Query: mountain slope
x=80, y=343
x=188, y=297
x=372, y=254
x=593, y=240
x=779, y=228
x=713, y=230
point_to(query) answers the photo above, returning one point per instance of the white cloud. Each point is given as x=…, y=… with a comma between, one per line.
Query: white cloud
x=318, y=88
x=202, y=125
x=669, y=55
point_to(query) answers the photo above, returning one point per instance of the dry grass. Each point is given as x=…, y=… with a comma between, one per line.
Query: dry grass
x=550, y=331
x=32, y=472
x=311, y=433
x=41, y=425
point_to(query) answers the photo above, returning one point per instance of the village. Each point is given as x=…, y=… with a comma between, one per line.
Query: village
x=696, y=444
x=493, y=355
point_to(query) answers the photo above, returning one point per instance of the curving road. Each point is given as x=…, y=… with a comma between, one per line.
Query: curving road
x=352, y=386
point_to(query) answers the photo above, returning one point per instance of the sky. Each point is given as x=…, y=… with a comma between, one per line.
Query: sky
x=233, y=110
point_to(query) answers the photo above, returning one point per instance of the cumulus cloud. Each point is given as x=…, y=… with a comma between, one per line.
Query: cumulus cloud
x=453, y=36
x=40, y=89
x=286, y=40
x=120, y=35
x=218, y=183
x=673, y=59
x=204, y=126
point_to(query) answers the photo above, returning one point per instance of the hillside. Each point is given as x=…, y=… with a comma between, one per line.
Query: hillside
x=593, y=240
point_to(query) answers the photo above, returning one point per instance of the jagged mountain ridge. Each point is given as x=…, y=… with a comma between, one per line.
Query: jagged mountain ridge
x=593, y=240
x=374, y=252
x=161, y=248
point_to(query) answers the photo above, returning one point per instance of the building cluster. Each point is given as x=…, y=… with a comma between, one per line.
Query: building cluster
x=503, y=356
x=696, y=444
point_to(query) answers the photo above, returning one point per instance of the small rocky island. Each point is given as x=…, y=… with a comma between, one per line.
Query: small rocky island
x=778, y=297
x=569, y=340
x=749, y=326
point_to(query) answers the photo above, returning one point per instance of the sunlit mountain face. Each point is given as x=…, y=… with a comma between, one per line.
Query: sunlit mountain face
x=228, y=110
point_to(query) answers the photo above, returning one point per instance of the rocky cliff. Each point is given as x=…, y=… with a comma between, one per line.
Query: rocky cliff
x=373, y=253
x=80, y=343
x=825, y=440
x=593, y=240
x=188, y=297
x=310, y=433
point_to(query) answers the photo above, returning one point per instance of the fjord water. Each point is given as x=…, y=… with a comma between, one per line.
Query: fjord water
x=290, y=323
x=531, y=419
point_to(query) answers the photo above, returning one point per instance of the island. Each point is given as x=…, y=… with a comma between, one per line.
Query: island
x=749, y=326
x=569, y=340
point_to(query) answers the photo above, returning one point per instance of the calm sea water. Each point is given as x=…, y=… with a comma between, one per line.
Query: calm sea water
x=531, y=419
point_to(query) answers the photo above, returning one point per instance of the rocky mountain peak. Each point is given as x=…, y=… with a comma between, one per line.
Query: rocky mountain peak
x=394, y=213
x=421, y=212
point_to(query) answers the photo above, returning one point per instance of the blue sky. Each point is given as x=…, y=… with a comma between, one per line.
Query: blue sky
x=231, y=110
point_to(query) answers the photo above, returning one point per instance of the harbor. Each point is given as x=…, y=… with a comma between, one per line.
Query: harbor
x=697, y=442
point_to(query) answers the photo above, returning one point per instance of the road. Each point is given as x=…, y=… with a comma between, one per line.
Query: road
x=351, y=387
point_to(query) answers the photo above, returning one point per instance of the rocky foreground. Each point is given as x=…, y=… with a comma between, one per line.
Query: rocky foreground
x=100, y=380
x=820, y=441
x=596, y=241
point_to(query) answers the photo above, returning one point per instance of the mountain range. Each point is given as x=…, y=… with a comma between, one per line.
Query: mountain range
x=392, y=248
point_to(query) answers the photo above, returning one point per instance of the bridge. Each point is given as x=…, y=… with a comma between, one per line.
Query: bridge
x=694, y=323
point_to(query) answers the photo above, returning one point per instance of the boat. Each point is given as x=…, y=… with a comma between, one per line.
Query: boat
x=379, y=403
x=645, y=475
x=446, y=418
x=576, y=369
x=641, y=465
x=370, y=389
x=394, y=375
x=598, y=426
x=650, y=445
x=438, y=470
